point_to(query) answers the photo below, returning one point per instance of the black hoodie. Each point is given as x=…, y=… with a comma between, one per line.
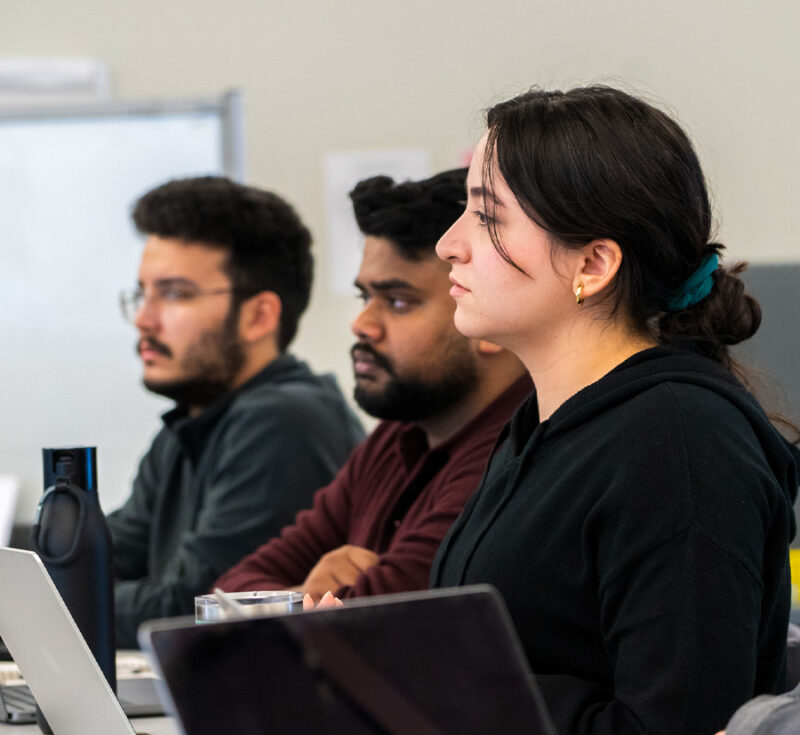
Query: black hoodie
x=640, y=539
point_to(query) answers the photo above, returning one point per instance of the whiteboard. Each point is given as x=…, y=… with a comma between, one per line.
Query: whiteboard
x=68, y=180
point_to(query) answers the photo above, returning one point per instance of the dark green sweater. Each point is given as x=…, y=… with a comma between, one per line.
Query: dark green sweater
x=214, y=487
x=639, y=537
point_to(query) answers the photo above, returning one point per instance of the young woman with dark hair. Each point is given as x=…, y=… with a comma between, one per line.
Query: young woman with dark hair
x=637, y=511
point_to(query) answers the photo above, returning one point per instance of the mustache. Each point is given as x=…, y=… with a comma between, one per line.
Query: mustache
x=380, y=360
x=151, y=343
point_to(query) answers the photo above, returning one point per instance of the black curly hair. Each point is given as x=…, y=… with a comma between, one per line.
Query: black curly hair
x=412, y=214
x=268, y=246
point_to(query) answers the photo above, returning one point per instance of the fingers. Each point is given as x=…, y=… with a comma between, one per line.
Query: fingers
x=328, y=600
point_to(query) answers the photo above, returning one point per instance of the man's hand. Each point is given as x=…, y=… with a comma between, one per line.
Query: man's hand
x=338, y=568
x=328, y=600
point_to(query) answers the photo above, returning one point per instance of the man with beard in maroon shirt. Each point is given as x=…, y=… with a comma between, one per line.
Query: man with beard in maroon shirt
x=442, y=398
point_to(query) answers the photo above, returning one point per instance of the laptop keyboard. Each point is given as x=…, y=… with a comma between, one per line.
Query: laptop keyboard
x=134, y=675
x=18, y=698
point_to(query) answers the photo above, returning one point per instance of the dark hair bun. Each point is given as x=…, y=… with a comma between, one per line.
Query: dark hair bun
x=726, y=316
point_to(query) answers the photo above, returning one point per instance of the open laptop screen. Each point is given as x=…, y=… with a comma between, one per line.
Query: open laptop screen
x=425, y=663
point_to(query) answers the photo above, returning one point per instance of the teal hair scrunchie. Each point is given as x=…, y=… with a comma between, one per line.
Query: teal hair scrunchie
x=695, y=288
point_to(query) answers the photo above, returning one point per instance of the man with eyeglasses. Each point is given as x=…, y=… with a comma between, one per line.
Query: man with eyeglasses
x=224, y=277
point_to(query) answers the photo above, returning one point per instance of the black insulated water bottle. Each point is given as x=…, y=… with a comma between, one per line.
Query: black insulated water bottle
x=71, y=537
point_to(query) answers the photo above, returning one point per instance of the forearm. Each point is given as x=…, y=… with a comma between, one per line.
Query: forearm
x=265, y=569
x=392, y=573
x=286, y=560
x=406, y=564
x=144, y=599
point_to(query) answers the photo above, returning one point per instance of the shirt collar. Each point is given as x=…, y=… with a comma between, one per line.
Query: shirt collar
x=193, y=431
x=413, y=441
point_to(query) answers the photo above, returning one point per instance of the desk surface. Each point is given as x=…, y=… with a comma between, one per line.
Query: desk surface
x=148, y=725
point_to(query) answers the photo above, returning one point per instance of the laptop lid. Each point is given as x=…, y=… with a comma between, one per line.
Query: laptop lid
x=9, y=488
x=138, y=697
x=51, y=653
x=432, y=663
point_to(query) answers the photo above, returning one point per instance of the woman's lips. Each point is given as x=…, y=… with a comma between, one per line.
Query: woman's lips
x=457, y=289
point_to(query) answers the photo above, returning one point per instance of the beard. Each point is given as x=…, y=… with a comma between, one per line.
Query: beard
x=209, y=366
x=417, y=397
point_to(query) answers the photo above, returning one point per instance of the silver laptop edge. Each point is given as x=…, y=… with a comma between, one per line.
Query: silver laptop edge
x=51, y=653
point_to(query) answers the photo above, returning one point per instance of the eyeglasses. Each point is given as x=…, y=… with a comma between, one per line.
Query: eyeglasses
x=131, y=300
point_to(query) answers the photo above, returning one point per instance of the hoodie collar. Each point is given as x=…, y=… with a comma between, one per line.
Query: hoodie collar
x=647, y=369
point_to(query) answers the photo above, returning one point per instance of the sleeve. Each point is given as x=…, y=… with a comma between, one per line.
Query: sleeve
x=684, y=618
x=285, y=561
x=681, y=628
x=264, y=470
x=130, y=525
x=406, y=564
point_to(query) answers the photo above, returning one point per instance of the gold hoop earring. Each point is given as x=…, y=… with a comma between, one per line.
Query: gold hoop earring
x=579, y=294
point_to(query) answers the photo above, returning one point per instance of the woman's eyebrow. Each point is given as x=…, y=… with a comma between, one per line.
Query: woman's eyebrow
x=481, y=192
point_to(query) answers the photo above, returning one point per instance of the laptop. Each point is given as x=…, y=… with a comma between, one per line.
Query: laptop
x=136, y=692
x=432, y=663
x=9, y=489
x=59, y=668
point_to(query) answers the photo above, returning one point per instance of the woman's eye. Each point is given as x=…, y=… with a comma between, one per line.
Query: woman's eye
x=481, y=217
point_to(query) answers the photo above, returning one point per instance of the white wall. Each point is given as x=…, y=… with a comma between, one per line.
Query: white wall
x=326, y=75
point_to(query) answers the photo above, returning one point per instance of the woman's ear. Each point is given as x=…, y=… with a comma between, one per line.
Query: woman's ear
x=598, y=264
x=260, y=316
